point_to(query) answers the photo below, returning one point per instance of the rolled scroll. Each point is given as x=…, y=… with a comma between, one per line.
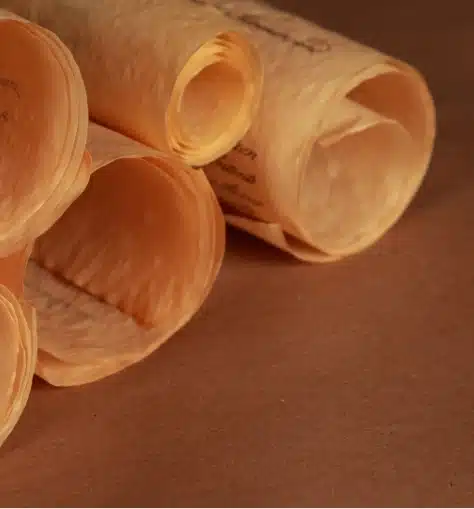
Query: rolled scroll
x=43, y=130
x=128, y=263
x=340, y=144
x=169, y=73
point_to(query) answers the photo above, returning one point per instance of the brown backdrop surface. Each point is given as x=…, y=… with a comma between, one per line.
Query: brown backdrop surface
x=347, y=384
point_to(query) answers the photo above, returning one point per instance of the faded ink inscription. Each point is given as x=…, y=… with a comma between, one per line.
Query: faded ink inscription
x=11, y=85
x=45, y=302
x=236, y=193
x=312, y=44
x=8, y=84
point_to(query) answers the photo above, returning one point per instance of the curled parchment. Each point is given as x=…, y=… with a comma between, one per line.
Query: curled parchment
x=43, y=168
x=127, y=265
x=43, y=129
x=172, y=74
x=19, y=342
x=340, y=144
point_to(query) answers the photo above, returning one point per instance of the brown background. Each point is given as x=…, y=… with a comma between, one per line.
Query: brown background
x=348, y=384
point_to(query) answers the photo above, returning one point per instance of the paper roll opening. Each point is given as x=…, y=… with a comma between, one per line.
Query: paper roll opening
x=402, y=95
x=358, y=186
x=214, y=99
x=127, y=264
x=130, y=240
x=211, y=102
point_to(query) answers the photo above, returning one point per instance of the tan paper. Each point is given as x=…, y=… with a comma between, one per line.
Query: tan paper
x=43, y=168
x=340, y=145
x=127, y=265
x=169, y=73
x=43, y=129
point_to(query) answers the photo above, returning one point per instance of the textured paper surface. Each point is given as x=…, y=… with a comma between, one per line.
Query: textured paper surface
x=128, y=264
x=171, y=74
x=340, y=144
x=43, y=129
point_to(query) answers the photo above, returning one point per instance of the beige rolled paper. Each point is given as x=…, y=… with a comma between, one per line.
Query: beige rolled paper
x=127, y=265
x=43, y=129
x=169, y=73
x=19, y=342
x=339, y=147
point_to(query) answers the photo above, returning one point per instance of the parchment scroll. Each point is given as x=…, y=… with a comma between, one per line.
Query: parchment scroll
x=340, y=144
x=127, y=265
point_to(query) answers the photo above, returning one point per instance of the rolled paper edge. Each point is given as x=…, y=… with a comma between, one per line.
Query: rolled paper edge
x=273, y=234
x=26, y=320
x=243, y=120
